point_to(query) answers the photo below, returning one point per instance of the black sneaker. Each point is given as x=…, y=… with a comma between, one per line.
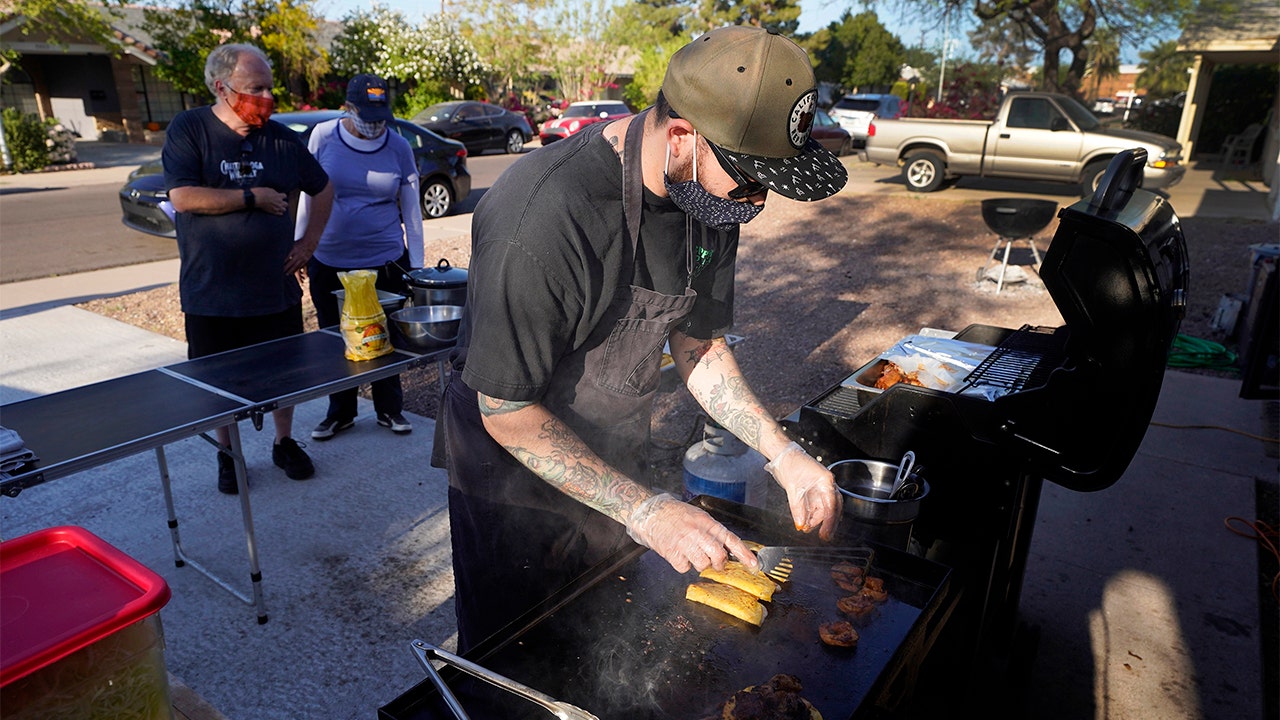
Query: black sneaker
x=227, y=475
x=288, y=454
x=330, y=427
x=396, y=422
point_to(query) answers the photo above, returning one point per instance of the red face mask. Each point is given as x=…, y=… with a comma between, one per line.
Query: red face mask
x=254, y=110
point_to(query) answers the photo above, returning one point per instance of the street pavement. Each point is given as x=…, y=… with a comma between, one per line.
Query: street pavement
x=1145, y=604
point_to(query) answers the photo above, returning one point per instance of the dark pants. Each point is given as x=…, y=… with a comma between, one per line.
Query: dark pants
x=388, y=397
x=209, y=334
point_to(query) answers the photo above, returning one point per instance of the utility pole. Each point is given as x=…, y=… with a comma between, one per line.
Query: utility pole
x=946, y=40
x=5, y=157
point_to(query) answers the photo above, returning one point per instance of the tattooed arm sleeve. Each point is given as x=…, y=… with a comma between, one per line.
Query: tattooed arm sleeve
x=713, y=377
x=552, y=451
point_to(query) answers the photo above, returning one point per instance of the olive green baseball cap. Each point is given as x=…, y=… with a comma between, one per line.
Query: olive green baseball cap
x=751, y=93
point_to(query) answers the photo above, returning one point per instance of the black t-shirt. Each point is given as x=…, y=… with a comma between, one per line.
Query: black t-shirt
x=233, y=264
x=550, y=251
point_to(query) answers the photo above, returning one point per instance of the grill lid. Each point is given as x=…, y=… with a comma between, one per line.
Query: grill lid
x=1117, y=270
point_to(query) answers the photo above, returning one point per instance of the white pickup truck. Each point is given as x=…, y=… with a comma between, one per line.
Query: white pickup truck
x=1035, y=136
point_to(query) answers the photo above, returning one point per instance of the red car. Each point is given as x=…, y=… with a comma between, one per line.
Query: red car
x=579, y=115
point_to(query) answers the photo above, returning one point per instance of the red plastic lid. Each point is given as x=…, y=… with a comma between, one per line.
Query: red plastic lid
x=62, y=589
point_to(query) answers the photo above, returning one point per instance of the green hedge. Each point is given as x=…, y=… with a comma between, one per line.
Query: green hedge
x=27, y=140
x=34, y=144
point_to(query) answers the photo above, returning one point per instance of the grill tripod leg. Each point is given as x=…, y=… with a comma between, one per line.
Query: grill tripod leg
x=1004, y=266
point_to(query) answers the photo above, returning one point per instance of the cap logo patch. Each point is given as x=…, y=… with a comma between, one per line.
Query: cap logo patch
x=800, y=121
x=376, y=95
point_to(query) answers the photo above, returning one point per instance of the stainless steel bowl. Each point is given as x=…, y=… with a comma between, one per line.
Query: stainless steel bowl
x=865, y=485
x=427, y=327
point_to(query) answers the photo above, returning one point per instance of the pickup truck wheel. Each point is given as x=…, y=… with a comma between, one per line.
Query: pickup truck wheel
x=1092, y=175
x=923, y=171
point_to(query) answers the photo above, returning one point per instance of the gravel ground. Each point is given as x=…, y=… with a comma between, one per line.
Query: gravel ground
x=825, y=287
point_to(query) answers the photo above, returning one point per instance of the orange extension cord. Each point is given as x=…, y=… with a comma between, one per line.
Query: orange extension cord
x=1266, y=536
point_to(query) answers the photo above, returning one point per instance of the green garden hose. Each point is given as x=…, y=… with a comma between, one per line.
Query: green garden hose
x=1193, y=352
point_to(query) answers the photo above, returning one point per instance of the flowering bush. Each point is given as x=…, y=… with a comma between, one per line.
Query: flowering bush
x=60, y=141
x=971, y=93
x=34, y=144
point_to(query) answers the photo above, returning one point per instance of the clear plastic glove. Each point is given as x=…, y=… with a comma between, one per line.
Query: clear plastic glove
x=811, y=490
x=686, y=536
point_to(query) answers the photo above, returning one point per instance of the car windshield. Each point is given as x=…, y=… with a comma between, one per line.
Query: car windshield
x=1079, y=114
x=594, y=110
x=857, y=104
x=440, y=112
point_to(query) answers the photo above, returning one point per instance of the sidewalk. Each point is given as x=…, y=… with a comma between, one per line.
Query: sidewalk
x=1145, y=605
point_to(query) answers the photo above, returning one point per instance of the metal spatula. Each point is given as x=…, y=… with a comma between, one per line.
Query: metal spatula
x=777, y=561
x=562, y=710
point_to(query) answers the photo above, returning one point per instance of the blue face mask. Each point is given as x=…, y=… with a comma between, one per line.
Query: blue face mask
x=710, y=210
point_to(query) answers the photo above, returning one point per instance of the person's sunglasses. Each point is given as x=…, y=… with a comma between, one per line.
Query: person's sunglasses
x=747, y=185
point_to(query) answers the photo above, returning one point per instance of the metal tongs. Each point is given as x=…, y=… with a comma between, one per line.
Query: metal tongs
x=424, y=651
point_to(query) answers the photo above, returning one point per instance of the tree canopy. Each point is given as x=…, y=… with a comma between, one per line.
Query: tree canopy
x=1164, y=71
x=59, y=22
x=1062, y=29
x=857, y=52
x=286, y=30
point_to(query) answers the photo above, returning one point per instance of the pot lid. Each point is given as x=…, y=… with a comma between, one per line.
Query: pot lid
x=442, y=276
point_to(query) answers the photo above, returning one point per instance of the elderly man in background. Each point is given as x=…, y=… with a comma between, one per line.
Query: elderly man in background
x=234, y=179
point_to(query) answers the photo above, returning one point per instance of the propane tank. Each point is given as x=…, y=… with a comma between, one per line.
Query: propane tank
x=723, y=466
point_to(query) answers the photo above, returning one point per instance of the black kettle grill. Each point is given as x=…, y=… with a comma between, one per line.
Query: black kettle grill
x=1068, y=404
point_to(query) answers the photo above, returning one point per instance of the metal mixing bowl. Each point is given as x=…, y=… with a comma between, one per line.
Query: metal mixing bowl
x=865, y=485
x=427, y=327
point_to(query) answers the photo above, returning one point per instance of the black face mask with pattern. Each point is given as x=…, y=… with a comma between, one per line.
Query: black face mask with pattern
x=710, y=210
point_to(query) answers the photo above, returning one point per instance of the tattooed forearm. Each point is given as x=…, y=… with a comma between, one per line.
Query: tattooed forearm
x=564, y=461
x=736, y=408
x=498, y=406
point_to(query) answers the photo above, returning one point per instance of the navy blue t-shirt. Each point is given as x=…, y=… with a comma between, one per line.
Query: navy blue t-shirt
x=233, y=264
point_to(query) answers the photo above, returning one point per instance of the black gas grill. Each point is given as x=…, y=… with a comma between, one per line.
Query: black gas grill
x=1068, y=404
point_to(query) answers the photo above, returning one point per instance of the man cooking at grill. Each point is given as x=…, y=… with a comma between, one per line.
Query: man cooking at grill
x=586, y=257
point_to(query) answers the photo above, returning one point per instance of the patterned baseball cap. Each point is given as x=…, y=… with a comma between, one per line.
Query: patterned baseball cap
x=369, y=96
x=751, y=93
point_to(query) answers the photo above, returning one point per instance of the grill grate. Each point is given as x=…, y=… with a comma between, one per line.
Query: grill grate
x=841, y=402
x=1022, y=360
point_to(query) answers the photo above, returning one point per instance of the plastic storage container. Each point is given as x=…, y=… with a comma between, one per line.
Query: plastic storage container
x=80, y=636
x=723, y=466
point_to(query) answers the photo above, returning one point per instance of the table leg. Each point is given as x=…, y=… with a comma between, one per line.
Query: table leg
x=255, y=574
x=178, y=559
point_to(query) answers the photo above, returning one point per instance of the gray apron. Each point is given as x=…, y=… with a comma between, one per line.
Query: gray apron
x=516, y=539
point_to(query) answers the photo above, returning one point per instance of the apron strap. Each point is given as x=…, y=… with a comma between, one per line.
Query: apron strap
x=633, y=178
